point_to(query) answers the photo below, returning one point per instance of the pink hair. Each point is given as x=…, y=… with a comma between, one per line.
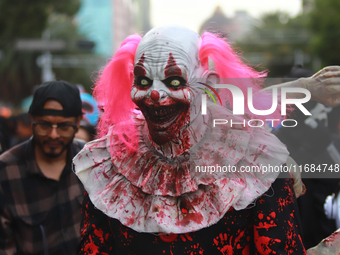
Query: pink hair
x=112, y=90
x=232, y=70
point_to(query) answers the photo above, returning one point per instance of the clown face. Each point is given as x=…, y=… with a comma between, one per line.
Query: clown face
x=165, y=89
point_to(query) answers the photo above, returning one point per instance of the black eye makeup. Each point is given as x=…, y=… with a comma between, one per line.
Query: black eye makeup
x=143, y=81
x=175, y=82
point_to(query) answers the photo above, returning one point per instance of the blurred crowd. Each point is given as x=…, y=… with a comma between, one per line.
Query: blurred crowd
x=16, y=128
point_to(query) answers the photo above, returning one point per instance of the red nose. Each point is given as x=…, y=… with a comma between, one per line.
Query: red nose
x=154, y=95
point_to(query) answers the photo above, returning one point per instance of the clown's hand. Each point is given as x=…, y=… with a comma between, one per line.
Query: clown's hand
x=328, y=246
x=324, y=86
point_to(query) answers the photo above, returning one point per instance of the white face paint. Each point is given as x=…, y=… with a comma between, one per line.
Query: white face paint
x=165, y=87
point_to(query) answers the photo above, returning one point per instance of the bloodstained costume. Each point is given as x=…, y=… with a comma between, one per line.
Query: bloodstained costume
x=148, y=190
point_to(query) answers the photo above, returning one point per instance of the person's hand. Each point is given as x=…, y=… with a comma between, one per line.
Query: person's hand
x=324, y=86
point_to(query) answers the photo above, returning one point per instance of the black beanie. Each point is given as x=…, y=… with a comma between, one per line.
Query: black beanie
x=67, y=94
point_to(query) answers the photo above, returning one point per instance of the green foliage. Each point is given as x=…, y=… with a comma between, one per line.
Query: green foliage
x=63, y=27
x=325, y=25
x=276, y=40
x=23, y=19
x=279, y=37
x=27, y=18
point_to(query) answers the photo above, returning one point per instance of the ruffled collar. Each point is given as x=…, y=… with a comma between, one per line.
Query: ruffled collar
x=149, y=192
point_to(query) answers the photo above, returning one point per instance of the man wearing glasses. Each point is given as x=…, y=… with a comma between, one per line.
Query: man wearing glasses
x=40, y=197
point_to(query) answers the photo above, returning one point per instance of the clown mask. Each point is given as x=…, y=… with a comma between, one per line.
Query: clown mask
x=166, y=74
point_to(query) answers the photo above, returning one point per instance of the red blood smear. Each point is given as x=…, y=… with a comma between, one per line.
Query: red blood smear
x=139, y=69
x=262, y=243
x=245, y=250
x=237, y=239
x=91, y=248
x=195, y=217
x=172, y=68
x=183, y=238
x=125, y=234
x=130, y=221
x=266, y=225
x=188, y=236
x=260, y=216
x=99, y=233
x=168, y=238
x=258, y=152
x=332, y=237
x=105, y=175
x=185, y=211
x=272, y=214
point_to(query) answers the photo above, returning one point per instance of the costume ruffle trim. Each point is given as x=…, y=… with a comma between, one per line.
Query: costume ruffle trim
x=151, y=193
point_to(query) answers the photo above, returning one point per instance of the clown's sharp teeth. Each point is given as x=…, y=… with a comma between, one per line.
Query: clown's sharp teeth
x=162, y=112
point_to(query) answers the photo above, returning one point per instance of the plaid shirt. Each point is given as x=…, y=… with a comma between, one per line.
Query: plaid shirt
x=38, y=215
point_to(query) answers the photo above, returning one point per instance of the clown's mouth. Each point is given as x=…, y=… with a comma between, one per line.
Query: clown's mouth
x=163, y=116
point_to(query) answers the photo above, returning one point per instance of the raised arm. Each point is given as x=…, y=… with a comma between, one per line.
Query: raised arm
x=324, y=86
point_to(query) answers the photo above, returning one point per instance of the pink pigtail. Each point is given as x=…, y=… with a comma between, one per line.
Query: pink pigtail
x=112, y=90
x=232, y=70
